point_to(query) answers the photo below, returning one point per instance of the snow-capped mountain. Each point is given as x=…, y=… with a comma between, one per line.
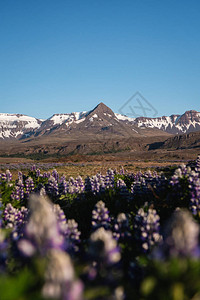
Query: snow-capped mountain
x=174, y=124
x=17, y=126
x=101, y=120
x=97, y=123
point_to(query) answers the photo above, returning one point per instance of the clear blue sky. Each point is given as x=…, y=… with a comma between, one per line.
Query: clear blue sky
x=63, y=56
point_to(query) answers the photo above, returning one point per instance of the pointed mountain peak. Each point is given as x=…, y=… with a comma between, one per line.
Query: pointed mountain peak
x=101, y=108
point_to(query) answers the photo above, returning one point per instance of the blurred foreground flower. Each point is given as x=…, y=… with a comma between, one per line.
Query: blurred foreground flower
x=181, y=236
x=60, y=282
x=42, y=231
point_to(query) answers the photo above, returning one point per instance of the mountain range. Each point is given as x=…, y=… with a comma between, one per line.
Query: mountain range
x=100, y=122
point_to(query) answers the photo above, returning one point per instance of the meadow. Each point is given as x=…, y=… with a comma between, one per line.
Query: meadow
x=72, y=231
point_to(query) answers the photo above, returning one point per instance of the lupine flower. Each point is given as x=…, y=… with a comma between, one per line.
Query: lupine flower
x=72, y=235
x=181, y=236
x=8, y=176
x=120, y=183
x=100, y=216
x=46, y=175
x=194, y=187
x=72, y=186
x=197, y=167
x=3, y=177
x=20, y=176
x=55, y=174
x=15, y=219
x=60, y=280
x=38, y=173
x=62, y=186
x=33, y=168
x=102, y=184
x=121, y=171
x=109, y=179
x=29, y=186
x=174, y=180
x=95, y=185
x=51, y=187
x=147, y=229
x=123, y=190
x=18, y=192
x=103, y=247
x=42, y=232
x=121, y=229
x=80, y=184
x=60, y=215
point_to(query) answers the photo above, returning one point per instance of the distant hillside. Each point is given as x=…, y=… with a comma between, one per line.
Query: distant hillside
x=184, y=141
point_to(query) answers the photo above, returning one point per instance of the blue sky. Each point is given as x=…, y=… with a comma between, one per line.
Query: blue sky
x=63, y=56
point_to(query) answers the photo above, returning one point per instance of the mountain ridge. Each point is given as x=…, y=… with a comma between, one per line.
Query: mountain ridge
x=100, y=119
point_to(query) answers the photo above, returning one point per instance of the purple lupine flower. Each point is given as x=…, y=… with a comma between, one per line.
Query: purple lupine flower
x=95, y=184
x=174, y=180
x=18, y=192
x=51, y=187
x=60, y=282
x=103, y=247
x=20, y=176
x=121, y=229
x=120, y=183
x=46, y=175
x=55, y=174
x=38, y=173
x=181, y=236
x=123, y=190
x=121, y=171
x=102, y=185
x=62, y=186
x=33, y=168
x=100, y=216
x=72, y=186
x=60, y=216
x=80, y=184
x=8, y=176
x=29, y=186
x=42, y=232
x=15, y=219
x=147, y=229
x=10, y=215
x=181, y=172
x=197, y=167
x=72, y=235
x=109, y=179
x=140, y=187
x=3, y=176
x=194, y=188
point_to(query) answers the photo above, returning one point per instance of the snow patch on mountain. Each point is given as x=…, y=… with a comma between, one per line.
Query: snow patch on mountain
x=124, y=118
x=15, y=125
